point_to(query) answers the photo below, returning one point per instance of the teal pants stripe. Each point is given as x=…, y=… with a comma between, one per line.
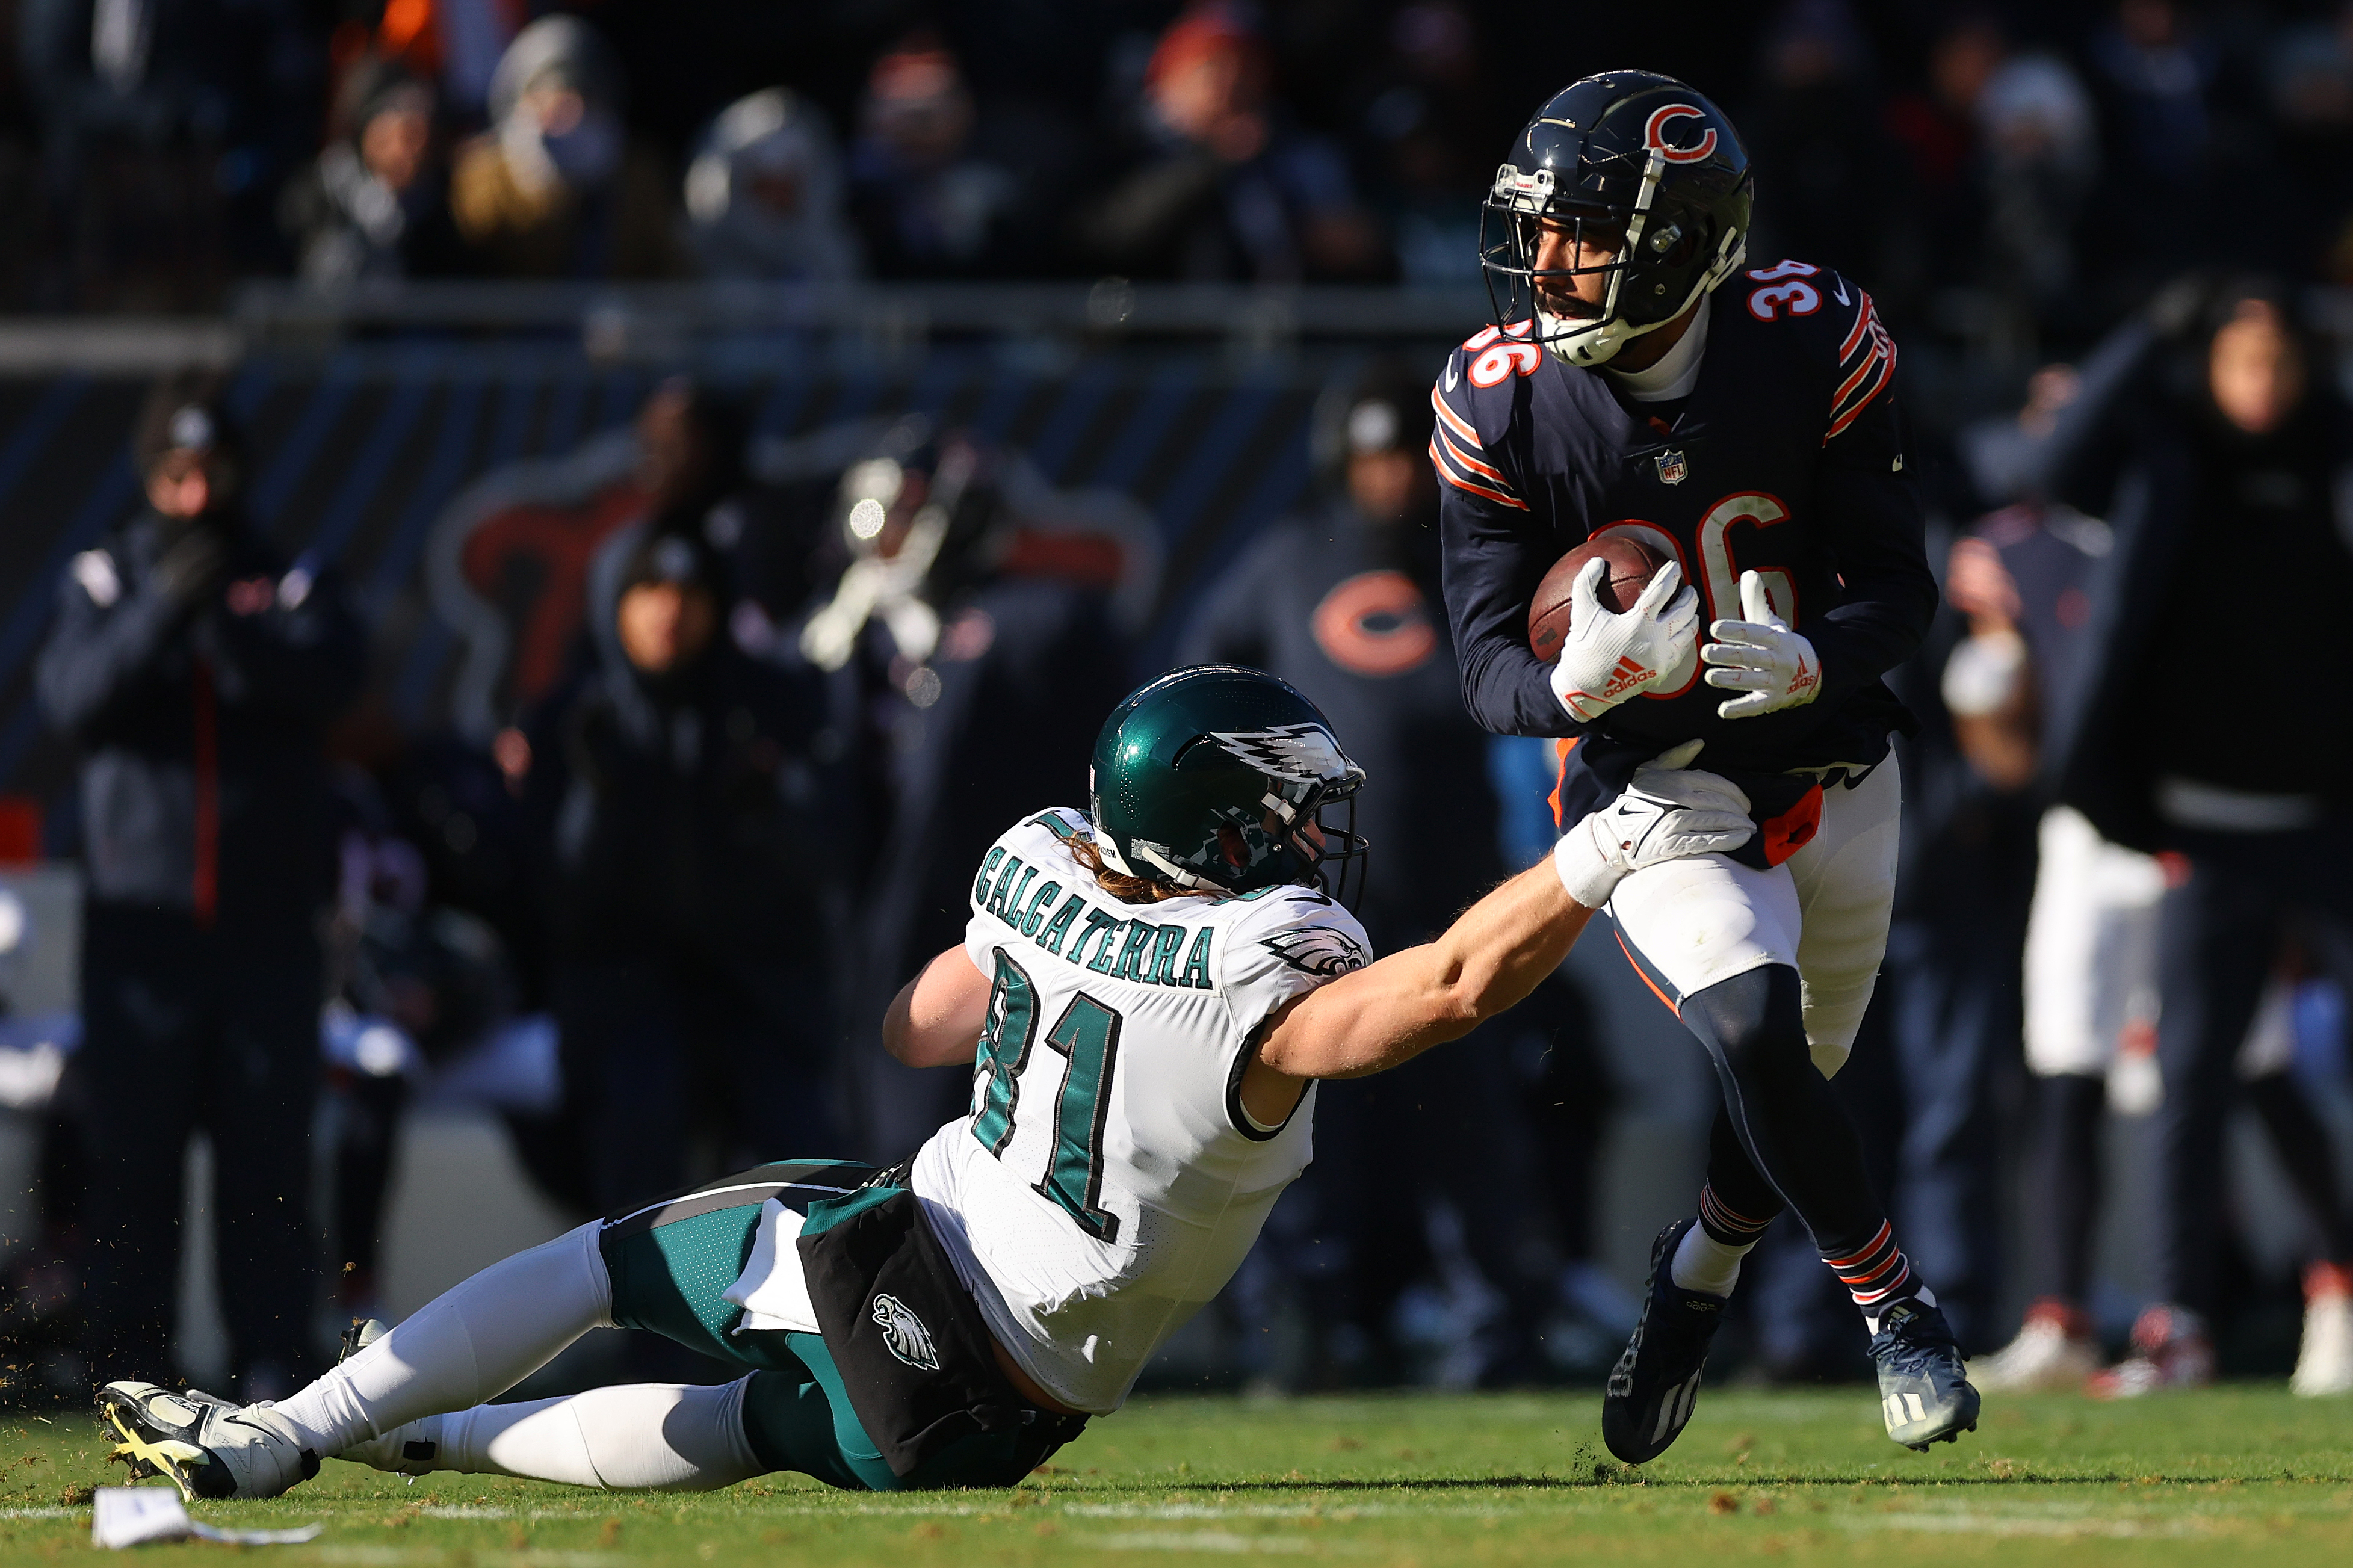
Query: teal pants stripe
x=668, y=1277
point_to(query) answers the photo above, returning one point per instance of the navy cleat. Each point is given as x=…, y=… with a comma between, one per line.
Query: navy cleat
x=1654, y=1387
x=1923, y=1389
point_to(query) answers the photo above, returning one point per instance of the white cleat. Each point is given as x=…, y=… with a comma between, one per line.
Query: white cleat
x=2325, y=1365
x=208, y=1448
x=2052, y=1352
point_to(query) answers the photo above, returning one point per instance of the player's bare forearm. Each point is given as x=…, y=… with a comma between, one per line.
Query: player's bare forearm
x=1393, y=1010
x=935, y=1019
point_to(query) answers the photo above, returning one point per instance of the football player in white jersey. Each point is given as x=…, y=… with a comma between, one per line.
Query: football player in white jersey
x=1156, y=985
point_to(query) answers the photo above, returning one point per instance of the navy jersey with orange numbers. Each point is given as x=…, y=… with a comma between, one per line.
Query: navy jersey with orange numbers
x=1786, y=458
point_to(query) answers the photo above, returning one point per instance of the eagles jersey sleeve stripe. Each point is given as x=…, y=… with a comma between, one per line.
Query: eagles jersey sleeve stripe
x=1105, y=1184
x=1868, y=357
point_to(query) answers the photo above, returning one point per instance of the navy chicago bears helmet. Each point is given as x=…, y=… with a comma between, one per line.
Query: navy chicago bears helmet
x=1637, y=152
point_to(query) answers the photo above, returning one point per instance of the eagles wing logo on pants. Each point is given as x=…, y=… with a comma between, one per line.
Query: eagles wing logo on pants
x=904, y=1333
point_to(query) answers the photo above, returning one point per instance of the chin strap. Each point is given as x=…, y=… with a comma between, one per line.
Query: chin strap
x=1602, y=341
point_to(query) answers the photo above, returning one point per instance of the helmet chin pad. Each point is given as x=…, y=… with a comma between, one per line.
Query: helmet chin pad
x=1592, y=344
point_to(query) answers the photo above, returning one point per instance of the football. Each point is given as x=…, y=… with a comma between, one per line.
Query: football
x=1631, y=565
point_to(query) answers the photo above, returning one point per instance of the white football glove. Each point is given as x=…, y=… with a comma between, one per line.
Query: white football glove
x=1609, y=657
x=1670, y=811
x=1760, y=656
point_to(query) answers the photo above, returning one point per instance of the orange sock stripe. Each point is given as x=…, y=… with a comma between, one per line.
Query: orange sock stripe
x=1894, y=1287
x=1727, y=1222
x=1886, y=1234
x=1863, y=1280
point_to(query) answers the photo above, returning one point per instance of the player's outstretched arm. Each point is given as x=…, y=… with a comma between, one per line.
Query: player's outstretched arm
x=1392, y=1010
x=1500, y=948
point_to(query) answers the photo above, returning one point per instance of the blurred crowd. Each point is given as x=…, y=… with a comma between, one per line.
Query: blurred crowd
x=2004, y=172
x=651, y=915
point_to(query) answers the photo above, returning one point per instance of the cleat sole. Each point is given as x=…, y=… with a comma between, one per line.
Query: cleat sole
x=145, y=1456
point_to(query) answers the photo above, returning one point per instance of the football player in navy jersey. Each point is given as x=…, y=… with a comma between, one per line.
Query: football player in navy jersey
x=1642, y=379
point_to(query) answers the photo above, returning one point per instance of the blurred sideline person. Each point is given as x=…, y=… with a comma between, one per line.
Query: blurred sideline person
x=693, y=896
x=1224, y=187
x=2023, y=577
x=554, y=188
x=965, y=655
x=1340, y=603
x=1155, y=986
x=198, y=671
x=944, y=187
x=2206, y=426
x=374, y=203
x=764, y=195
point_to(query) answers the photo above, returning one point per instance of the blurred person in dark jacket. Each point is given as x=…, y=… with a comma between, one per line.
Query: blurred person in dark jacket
x=2209, y=436
x=554, y=188
x=693, y=900
x=1339, y=602
x=943, y=186
x=1223, y=188
x=2155, y=75
x=197, y=670
x=2020, y=576
x=764, y=195
x=968, y=650
x=1428, y=113
x=374, y=203
x=167, y=128
x=1817, y=126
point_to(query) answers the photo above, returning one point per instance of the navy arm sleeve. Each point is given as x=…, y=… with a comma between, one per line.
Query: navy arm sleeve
x=95, y=654
x=1868, y=509
x=1494, y=557
x=1494, y=551
x=1871, y=518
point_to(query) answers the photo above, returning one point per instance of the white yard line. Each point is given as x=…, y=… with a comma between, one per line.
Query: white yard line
x=1199, y=1541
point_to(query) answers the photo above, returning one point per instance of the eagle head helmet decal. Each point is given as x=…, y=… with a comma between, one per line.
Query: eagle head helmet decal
x=1306, y=752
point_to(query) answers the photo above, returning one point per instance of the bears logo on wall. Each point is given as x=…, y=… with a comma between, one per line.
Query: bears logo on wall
x=1376, y=623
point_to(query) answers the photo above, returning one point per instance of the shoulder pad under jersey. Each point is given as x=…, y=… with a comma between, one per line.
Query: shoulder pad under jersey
x=1836, y=325
x=1476, y=398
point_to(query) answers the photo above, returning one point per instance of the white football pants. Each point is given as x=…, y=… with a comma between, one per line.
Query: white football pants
x=425, y=1382
x=1691, y=923
x=2091, y=958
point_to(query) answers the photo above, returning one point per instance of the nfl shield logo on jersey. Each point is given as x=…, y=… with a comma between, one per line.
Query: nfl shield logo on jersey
x=1672, y=469
x=904, y=1333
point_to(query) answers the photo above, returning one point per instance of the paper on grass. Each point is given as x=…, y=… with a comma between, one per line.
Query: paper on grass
x=132, y=1516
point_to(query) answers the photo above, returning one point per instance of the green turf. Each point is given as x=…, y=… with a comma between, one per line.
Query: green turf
x=2249, y=1474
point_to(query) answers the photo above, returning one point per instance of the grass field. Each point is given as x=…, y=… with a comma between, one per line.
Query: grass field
x=2250, y=1474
